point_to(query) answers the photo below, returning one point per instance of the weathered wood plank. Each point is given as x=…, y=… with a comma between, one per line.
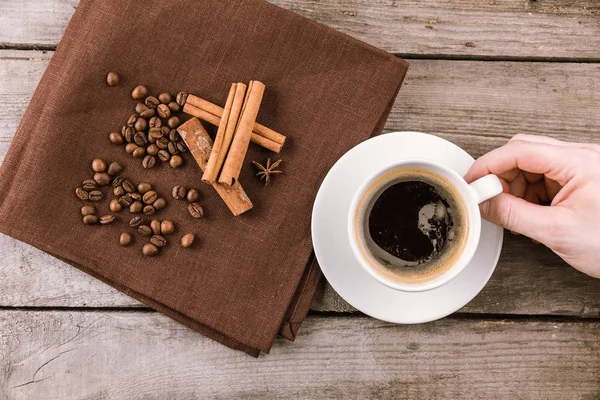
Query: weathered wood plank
x=474, y=104
x=508, y=28
x=108, y=355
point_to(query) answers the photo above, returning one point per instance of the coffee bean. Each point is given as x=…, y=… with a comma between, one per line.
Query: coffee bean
x=118, y=191
x=165, y=130
x=155, y=122
x=98, y=165
x=135, y=222
x=172, y=147
x=152, y=149
x=112, y=79
x=107, y=219
x=173, y=122
x=165, y=98
x=144, y=230
x=130, y=148
x=182, y=147
x=179, y=192
x=125, y=239
x=139, y=92
x=181, y=98
x=149, y=162
x=89, y=184
x=117, y=181
x=90, y=220
x=141, y=124
x=102, y=178
x=196, y=210
x=155, y=226
x=128, y=186
x=95, y=195
x=176, y=161
x=174, y=106
x=129, y=134
x=162, y=143
x=149, y=210
x=174, y=136
x=131, y=121
x=148, y=113
x=151, y=102
x=140, y=139
x=140, y=107
x=151, y=140
x=158, y=241
x=187, y=240
x=163, y=111
x=82, y=194
x=114, y=168
x=116, y=138
x=193, y=195
x=144, y=187
x=149, y=250
x=164, y=155
x=123, y=129
x=167, y=227
x=139, y=153
x=115, y=206
x=159, y=204
x=136, y=207
x=150, y=197
x=88, y=210
x=156, y=133
x=135, y=196
x=125, y=200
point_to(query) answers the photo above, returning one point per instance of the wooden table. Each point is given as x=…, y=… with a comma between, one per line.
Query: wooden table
x=481, y=71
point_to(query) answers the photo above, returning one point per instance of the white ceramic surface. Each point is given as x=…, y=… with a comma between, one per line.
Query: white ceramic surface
x=333, y=248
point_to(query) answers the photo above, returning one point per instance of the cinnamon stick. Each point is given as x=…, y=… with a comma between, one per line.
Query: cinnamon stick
x=214, y=109
x=215, y=120
x=241, y=138
x=200, y=145
x=213, y=167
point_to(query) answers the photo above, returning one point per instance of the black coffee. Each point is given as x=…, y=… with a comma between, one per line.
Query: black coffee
x=415, y=225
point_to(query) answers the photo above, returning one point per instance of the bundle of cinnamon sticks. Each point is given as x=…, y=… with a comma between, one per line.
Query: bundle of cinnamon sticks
x=237, y=128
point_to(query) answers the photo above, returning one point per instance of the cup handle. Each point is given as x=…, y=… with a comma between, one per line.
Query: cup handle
x=485, y=188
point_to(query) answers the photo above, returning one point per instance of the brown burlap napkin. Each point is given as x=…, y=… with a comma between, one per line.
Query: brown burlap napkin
x=247, y=278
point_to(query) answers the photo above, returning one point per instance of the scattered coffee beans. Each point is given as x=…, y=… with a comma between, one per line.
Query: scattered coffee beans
x=141, y=124
x=139, y=152
x=158, y=241
x=135, y=196
x=163, y=111
x=181, y=98
x=187, y=240
x=182, y=147
x=179, y=192
x=195, y=210
x=172, y=147
x=107, y=219
x=140, y=107
x=193, y=195
x=128, y=186
x=151, y=102
x=159, y=204
x=149, y=250
x=135, y=222
x=118, y=191
x=116, y=138
x=139, y=92
x=98, y=165
x=155, y=226
x=173, y=122
x=102, y=178
x=115, y=206
x=130, y=148
x=129, y=134
x=167, y=227
x=132, y=119
x=140, y=139
x=89, y=184
x=176, y=161
x=125, y=239
x=149, y=162
x=82, y=194
x=90, y=220
x=165, y=98
x=149, y=210
x=136, y=207
x=148, y=113
x=174, y=106
x=125, y=201
x=95, y=195
x=152, y=149
x=144, y=187
x=114, y=168
x=88, y=210
x=112, y=79
x=163, y=143
x=144, y=230
x=164, y=155
x=150, y=197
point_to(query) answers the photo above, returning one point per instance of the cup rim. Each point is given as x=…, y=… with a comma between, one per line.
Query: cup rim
x=467, y=253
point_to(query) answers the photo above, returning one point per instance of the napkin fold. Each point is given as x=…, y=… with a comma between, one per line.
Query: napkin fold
x=247, y=278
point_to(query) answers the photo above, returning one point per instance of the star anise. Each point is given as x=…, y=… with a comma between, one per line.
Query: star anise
x=265, y=172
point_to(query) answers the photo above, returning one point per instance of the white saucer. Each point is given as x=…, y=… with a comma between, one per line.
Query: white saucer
x=332, y=246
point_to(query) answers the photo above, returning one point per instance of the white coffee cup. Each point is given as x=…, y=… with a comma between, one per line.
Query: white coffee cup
x=470, y=194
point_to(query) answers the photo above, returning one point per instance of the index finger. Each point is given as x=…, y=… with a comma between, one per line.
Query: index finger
x=538, y=158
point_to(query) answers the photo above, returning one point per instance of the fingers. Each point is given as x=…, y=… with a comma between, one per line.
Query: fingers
x=518, y=215
x=543, y=139
x=539, y=158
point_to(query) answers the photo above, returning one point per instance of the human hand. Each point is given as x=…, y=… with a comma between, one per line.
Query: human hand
x=565, y=178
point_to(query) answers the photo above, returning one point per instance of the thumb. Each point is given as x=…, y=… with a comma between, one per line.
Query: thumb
x=518, y=215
